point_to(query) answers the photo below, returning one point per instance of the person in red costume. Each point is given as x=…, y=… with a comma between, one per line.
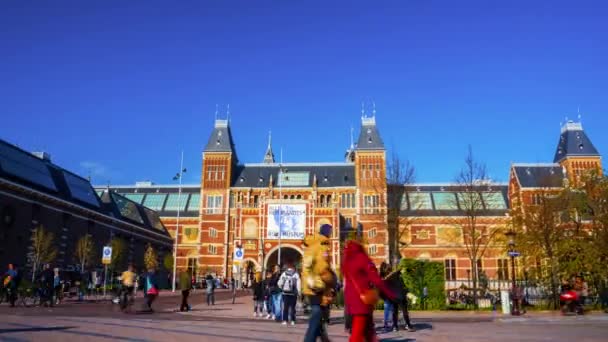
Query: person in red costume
x=360, y=274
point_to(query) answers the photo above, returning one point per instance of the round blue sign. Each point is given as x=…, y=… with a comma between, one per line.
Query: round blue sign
x=107, y=251
x=238, y=253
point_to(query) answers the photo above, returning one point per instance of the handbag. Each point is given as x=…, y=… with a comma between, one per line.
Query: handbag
x=369, y=296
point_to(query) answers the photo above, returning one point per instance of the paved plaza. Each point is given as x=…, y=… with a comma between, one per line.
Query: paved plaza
x=233, y=322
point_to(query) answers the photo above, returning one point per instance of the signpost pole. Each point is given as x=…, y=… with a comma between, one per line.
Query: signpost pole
x=105, y=276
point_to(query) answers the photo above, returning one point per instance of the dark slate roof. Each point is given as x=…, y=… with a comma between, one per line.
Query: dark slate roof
x=27, y=170
x=539, y=175
x=190, y=197
x=369, y=137
x=220, y=139
x=574, y=142
x=442, y=200
x=328, y=175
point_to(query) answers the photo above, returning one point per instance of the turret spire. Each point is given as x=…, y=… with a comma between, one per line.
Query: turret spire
x=269, y=156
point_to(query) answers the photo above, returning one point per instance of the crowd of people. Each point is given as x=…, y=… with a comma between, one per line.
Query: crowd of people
x=275, y=296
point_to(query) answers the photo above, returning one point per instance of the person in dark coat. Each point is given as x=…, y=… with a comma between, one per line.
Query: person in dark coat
x=258, y=295
x=46, y=286
x=395, y=281
x=185, y=284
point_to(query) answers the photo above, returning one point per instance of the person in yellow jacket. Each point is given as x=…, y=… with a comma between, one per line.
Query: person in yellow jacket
x=318, y=280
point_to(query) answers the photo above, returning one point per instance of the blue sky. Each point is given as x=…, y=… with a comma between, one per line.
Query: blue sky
x=118, y=88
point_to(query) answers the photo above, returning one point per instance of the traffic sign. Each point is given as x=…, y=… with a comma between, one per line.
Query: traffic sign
x=106, y=256
x=514, y=254
x=238, y=254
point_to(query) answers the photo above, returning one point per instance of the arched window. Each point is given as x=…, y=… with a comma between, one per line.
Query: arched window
x=322, y=201
x=328, y=199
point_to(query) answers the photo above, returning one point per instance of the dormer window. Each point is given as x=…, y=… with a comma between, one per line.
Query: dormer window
x=369, y=140
x=580, y=146
x=261, y=179
x=242, y=179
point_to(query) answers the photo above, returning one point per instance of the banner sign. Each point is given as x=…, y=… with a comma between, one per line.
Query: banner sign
x=291, y=218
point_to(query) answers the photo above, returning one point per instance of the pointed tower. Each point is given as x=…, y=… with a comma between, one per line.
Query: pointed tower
x=219, y=161
x=269, y=156
x=370, y=174
x=575, y=152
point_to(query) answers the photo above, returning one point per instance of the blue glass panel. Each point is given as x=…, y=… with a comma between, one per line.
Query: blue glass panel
x=137, y=198
x=172, y=202
x=494, y=200
x=195, y=202
x=25, y=166
x=470, y=200
x=155, y=201
x=294, y=179
x=420, y=201
x=81, y=189
x=445, y=201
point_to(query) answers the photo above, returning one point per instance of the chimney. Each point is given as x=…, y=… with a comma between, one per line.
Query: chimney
x=42, y=155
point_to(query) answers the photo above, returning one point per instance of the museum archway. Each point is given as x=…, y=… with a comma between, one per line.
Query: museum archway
x=290, y=255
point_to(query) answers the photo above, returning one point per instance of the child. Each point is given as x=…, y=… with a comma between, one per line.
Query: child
x=258, y=295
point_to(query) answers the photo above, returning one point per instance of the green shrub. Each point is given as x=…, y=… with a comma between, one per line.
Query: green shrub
x=417, y=275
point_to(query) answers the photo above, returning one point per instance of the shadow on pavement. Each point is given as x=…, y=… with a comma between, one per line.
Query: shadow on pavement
x=33, y=329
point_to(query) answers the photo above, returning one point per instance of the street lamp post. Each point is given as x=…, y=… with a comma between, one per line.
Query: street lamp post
x=514, y=293
x=179, y=199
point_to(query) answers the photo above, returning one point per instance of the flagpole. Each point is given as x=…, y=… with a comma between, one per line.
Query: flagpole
x=179, y=201
x=280, y=205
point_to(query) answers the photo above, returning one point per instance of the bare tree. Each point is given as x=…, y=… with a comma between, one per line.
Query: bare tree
x=540, y=237
x=84, y=251
x=472, y=183
x=399, y=174
x=42, y=249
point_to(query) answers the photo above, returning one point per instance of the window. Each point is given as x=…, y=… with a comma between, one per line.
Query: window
x=81, y=189
x=25, y=166
x=137, y=198
x=347, y=200
x=371, y=249
x=192, y=266
x=175, y=201
x=503, y=269
x=212, y=249
x=190, y=235
x=445, y=201
x=470, y=200
x=420, y=201
x=371, y=204
x=294, y=178
x=377, y=170
x=256, y=199
x=348, y=221
x=494, y=200
x=195, y=202
x=321, y=201
x=214, y=204
x=536, y=199
x=210, y=171
x=220, y=172
x=212, y=232
x=450, y=269
x=155, y=201
x=372, y=233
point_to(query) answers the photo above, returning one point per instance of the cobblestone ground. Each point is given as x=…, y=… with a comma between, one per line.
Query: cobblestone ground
x=233, y=322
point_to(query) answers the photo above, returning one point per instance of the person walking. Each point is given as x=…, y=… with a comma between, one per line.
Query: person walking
x=210, y=289
x=319, y=282
x=11, y=283
x=258, y=295
x=275, y=293
x=151, y=288
x=46, y=286
x=395, y=281
x=57, y=286
x=389, y=306
x=128, y=287
x=267, y=296
x=290, y=285
x=185, y=284
x=361, y=290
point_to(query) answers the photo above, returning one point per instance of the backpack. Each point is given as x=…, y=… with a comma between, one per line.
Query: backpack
x=289, y=286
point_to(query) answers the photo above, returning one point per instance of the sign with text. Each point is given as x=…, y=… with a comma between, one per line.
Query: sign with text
x=289, y=219
x=106, y=255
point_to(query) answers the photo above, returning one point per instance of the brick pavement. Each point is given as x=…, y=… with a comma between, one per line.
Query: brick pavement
x=228, y=322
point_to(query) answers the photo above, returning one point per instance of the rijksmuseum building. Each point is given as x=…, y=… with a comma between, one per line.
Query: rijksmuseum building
x=237, y=204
